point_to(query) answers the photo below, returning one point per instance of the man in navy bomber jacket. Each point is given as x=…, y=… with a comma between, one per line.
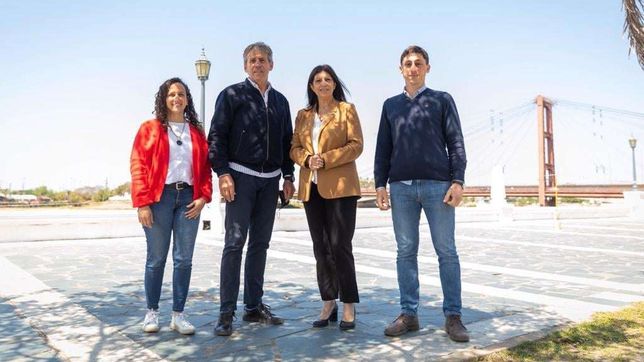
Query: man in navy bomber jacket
x=249, y=144
x=420, y=151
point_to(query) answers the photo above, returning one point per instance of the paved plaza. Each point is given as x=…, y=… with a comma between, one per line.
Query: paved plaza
x=72, y=296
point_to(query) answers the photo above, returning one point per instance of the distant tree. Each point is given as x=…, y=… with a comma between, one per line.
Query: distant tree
x=367, y=183
x=75, y=197
x=101, y=195
x=121, y=189
x=42, y=191
x=634, y=27
x=60, y=196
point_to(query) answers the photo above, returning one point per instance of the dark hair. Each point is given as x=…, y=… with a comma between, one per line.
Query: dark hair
x=338, y=92
x=414, y=49
x=262, y=47
x=161, y=109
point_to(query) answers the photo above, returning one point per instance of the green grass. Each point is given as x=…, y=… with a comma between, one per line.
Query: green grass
x=523, y=201
x=616, y=336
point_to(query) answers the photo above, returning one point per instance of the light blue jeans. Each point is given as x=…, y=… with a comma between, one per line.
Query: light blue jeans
x=170, y=220
x=406, y=203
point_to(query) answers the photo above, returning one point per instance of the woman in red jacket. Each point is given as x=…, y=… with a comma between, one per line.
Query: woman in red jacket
x=171, y=183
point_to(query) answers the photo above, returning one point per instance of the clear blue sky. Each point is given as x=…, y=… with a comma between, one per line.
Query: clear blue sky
x=79, y=77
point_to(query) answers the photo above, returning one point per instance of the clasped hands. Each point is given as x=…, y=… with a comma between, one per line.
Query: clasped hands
x=146, y=218
x=316, y=162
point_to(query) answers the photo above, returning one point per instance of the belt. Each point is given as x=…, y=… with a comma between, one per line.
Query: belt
x=178, y=185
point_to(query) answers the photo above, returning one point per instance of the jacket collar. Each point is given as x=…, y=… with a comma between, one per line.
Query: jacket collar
x=264, y=95
x=310, y=116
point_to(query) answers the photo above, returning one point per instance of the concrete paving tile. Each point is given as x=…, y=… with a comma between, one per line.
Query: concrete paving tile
x=332, y=344
x=227, y=351
x=495, y=330
x=26, y=352
x=172, y=345
x=15, y=331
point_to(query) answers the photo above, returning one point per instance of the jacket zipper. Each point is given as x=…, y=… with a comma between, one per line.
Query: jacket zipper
x=241, y=137
x=268, y=136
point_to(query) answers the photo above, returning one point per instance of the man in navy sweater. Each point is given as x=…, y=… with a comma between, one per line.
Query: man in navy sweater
x=249, y=142
x=420, y=152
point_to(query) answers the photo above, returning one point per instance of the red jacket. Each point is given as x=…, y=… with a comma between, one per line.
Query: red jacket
x=149, y=164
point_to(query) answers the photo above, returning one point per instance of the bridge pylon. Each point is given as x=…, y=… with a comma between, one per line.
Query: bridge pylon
x=545, y=134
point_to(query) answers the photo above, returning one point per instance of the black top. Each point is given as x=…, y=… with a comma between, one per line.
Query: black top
x=243, y=130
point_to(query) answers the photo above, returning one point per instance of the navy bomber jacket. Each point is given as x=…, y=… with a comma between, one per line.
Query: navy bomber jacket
x=419, y=139
x=243, y=130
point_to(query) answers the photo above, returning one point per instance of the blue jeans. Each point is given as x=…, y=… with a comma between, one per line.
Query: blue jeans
x=169, y=219
x=406, y=204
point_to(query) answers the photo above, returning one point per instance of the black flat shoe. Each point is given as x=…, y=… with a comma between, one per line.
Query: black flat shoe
x=345, y=326
x=333, y=317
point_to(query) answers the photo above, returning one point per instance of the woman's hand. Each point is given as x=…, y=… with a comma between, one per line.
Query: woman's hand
x=316, y=162
x=145, y=216
x=194, y=208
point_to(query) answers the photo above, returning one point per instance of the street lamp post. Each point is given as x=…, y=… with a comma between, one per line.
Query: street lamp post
x=202, y=66
x=203, y=70
x=633, y=142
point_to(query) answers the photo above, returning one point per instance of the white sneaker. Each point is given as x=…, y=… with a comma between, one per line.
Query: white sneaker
x=151, y=321
x=180, y=324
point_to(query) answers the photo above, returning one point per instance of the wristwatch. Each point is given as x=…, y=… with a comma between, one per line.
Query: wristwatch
x=289, y=178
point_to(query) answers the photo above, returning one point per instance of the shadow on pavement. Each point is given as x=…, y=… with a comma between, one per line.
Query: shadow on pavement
x=122, y=309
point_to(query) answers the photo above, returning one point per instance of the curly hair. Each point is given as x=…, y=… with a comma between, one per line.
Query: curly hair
x=161, y=109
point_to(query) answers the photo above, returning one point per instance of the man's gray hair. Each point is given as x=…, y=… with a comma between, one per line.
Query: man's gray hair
x=262, y=47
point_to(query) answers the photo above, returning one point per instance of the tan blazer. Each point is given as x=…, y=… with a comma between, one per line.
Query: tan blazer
x=340, y=145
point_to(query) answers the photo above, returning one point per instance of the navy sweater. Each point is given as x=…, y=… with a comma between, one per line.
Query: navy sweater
x=419, y=139
x=245, y=131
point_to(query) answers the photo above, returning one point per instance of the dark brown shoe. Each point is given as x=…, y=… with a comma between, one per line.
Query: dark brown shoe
x=401, y=325
x=455, y=329
x=262, y=314
x=225, y=324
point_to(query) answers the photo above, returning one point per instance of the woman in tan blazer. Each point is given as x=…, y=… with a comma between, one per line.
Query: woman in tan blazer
x=326, y=142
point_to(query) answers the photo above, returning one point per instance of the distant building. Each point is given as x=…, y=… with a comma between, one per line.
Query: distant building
x=44, y=199
x=125, y=197
x=24, y=199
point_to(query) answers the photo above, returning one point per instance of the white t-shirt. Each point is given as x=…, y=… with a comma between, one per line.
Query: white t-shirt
x=180, y=161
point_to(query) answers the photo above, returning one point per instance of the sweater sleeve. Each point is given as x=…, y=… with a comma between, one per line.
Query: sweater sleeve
x=454, y=139
x=384, y=145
